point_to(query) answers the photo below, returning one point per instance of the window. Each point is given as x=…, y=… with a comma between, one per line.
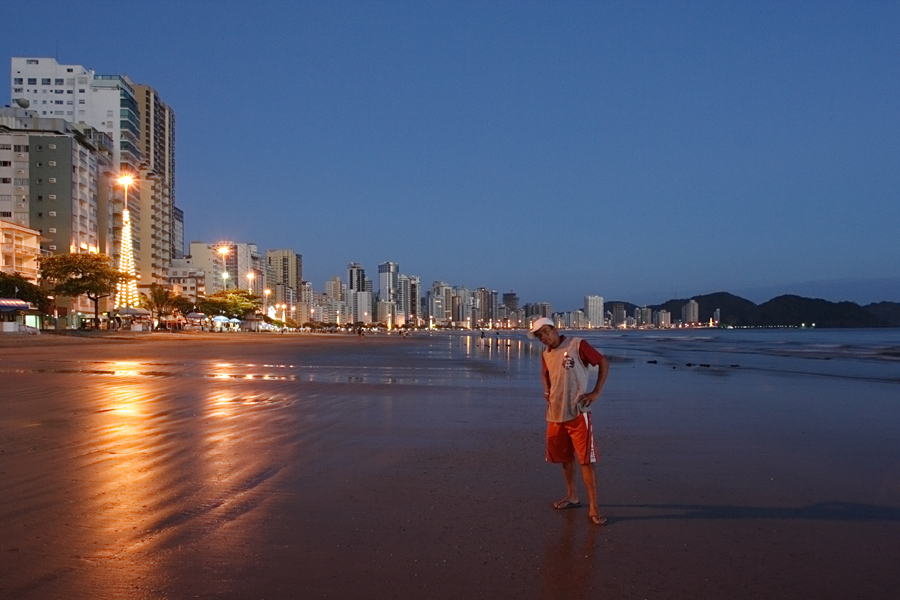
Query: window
x=32, y=61
x=51, y=163
x=8, y=215
x=52, y=247
x=51, y=180
x=81, y=101
x=58, y=82
x=5, y=163
x=52, y=213
x=5, y=147
x=52, y=229
x=52, y=146
x=51, y=197
x=32, y=81
x=45, y=81
x=17, y=81
x=5, y=180
x=39, y=164
x=17, y=90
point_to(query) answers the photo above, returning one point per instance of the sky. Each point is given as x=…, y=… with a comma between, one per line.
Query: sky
x=640, y=151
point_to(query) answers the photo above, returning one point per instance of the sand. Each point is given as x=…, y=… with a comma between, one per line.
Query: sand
x=266, y=466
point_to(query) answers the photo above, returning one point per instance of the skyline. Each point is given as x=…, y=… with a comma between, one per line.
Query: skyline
x=640, y=152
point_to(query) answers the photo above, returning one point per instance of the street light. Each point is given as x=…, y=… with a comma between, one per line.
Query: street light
x=266, y=308
x=250, y=276
x=223, y=250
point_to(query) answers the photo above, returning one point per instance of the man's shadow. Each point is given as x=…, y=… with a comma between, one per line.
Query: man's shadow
x=823, y=511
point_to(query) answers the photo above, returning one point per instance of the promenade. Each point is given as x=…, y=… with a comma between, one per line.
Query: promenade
x=328, y=466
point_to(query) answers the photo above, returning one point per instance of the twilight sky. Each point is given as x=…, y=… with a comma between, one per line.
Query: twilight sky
x=636, y=150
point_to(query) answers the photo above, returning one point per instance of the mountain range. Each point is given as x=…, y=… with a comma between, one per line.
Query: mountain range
x=787, y=310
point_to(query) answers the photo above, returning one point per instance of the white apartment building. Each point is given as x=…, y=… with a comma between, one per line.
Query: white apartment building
x=594, y=311
x=245, y=266
x=80, y=95
x=20, y=248
x=208, y=259
x=57, y=177
x=690, y=312
x=185, y=279
x=142, y=128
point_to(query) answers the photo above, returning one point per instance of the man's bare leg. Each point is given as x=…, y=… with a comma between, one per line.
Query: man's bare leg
x=589, y=475
x=571, y=491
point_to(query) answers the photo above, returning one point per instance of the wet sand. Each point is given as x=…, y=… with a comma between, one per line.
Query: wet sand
x=265, y=466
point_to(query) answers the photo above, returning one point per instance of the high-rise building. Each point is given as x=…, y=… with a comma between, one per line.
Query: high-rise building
x=285, y=268
x=142, y=128
x=593, y=311
x=511, y=302
x=207, y=258
x=156, y=180
x=57, y=178
x=662, y=319
x=356, y=277
x=388, y=281
x=246, y=269
x=80, y=95
x=690, y=312
x=177, y=233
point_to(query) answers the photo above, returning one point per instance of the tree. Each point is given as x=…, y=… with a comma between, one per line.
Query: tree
x=16, y=286
x=235, y=304
x=74, y=275
x=161, y=301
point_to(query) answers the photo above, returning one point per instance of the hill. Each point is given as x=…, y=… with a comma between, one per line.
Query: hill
x=886, y=312
x=787, y=310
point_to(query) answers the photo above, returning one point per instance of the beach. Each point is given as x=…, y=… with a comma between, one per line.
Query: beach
x=174, y=465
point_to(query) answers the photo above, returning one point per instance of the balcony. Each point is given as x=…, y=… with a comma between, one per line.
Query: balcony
x=20, y=249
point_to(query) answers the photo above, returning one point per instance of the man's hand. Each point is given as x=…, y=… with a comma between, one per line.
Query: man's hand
x=586, y=400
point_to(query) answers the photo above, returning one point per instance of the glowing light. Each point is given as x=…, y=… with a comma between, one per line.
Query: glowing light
x=126, y=293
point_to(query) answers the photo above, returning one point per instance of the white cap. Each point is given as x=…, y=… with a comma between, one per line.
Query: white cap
x=538, y=324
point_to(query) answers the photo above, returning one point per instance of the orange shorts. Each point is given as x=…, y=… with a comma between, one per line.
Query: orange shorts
x=572, y=440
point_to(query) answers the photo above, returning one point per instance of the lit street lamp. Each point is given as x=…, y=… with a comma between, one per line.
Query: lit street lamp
x=223, y=250
x=250, y=277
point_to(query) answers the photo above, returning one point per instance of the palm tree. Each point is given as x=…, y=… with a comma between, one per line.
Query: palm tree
x=161, y=301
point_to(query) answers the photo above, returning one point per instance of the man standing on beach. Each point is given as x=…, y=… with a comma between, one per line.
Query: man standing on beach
x=570, y=434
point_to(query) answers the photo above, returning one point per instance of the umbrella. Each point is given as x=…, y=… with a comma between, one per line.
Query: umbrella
x=195, y=315
x=220, y=319
x=236, y=321
x=127, y=310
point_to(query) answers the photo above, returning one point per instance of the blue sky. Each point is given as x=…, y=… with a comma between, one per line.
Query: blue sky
x=635, y=150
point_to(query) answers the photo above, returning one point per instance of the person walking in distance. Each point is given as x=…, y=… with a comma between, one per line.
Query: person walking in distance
x=565, y=372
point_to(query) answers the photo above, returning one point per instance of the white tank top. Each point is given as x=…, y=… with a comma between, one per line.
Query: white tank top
x=568, y=380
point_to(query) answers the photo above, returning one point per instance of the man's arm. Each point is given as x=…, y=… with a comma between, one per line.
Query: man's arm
x=590, y=356
x=545, y=379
